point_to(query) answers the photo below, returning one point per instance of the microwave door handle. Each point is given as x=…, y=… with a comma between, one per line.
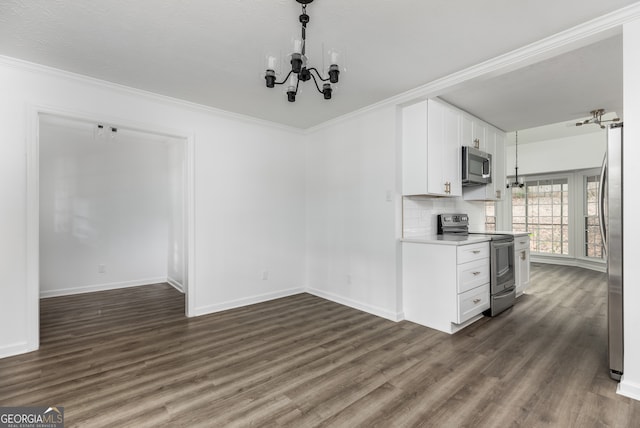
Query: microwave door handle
x=488, y=174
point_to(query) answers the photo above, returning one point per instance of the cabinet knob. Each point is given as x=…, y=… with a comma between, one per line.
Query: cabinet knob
x=476, y=301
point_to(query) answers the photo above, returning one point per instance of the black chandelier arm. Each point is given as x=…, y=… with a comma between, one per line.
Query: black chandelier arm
x=284, y=80
x=316, y=82
x=319, y=75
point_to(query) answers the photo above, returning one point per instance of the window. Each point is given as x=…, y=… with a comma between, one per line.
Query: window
x=490, y=216
x=541, y=207
x=592, y=237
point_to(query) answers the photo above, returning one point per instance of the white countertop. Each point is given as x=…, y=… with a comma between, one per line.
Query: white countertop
x=503, y=232
x=447, y=239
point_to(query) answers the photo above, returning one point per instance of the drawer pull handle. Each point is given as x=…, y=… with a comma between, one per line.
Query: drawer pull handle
x=478, y=273
x=476, y=301
x=476, y=251
x=523, y=242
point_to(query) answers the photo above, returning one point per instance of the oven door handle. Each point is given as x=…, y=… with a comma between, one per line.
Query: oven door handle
x=502, y=245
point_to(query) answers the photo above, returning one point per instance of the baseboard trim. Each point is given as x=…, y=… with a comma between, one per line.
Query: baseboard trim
x=16, y=349
x=374, y=310
x=568, y=261
x=175, y=284
x=245, y=301
x=629, y=389
x=100, y=287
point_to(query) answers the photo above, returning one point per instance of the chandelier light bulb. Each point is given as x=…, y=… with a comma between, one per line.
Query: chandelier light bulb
x=297, y=46
x=271, y=63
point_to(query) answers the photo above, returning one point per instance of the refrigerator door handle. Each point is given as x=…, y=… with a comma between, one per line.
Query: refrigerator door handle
x=602, y=202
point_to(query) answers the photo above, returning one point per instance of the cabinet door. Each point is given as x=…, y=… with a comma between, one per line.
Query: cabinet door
x=436, y=149
x=479, y=131
x=499, y=173
x=414, y=149
x=525, y=269
x=452, y=155
x=466, y=130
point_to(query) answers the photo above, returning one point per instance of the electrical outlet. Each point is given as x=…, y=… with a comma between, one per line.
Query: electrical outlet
x=265, y=275
x=102, y=268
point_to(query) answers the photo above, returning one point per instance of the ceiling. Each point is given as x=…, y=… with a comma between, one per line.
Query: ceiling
x=212, y=52
x=563, y=88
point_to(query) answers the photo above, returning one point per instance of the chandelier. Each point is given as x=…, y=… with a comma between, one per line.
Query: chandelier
x=299, y=69
x=596, y=118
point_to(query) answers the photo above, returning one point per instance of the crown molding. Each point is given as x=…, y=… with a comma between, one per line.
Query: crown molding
x=573, y=38
x=23, y=65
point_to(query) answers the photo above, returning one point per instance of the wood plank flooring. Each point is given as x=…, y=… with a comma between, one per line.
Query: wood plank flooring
x=130, y=358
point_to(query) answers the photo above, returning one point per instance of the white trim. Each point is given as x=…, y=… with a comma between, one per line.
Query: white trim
x=190, y=219
x=629, y=389
x=101, y=287
x=32, y=274
x=175, y=284
x=373, y=310
x=573, y=38
x=152, y=96
x=570, y=261
x=15, y=349
x=245, y=301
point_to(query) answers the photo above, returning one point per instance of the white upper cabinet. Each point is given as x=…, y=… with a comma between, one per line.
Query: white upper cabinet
x=431, y=155
x=474, y=133
x=493, y=144
x=433, y=133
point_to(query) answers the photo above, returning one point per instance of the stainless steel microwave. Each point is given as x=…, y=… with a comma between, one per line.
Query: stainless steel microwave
x=476, y=167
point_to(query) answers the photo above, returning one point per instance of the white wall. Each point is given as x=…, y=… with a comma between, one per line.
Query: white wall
x=104, y=200
x=177, y=255
x=352, y=218
x=630, y=384
x=562, y=154
x=249, y=192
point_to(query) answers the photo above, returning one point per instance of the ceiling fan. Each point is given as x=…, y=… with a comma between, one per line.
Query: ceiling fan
x=596, y=118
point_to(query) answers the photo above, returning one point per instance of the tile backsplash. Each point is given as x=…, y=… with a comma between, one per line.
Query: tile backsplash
x=420, y=214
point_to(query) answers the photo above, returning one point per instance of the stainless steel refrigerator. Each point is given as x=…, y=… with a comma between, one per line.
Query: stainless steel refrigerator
x=611, y=229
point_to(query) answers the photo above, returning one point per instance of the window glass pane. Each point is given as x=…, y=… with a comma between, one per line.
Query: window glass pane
x=490, y=216
x=592, y=238
x=542, y=208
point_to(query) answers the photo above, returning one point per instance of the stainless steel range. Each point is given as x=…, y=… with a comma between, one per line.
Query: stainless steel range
x=503, y=285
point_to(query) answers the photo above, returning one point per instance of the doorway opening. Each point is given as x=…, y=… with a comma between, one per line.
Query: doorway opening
x=111, y=208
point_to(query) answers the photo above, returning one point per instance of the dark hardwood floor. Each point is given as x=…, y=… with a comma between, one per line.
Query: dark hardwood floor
x=130, y=358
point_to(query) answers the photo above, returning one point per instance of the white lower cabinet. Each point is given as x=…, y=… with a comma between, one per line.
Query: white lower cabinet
x=522, y=263
x=445, y=287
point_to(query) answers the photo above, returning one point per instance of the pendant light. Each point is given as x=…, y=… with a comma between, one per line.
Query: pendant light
x=519, y=181
x=300, y=71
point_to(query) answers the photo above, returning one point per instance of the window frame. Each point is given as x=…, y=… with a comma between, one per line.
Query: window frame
x=569, y=177
x=576, y=217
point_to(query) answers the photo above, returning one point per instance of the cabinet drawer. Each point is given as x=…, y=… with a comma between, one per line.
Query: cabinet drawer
x=472, y=303
x=473, y=274
x=520, y=243
x=468, y=253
